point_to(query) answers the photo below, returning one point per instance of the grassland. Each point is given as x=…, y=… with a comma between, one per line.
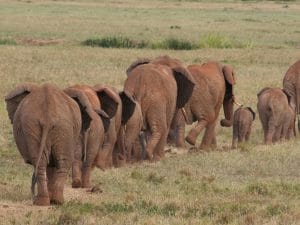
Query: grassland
x=41, y=41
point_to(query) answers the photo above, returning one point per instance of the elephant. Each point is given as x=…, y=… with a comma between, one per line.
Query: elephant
x=291, y=85
x=160, y=86
x=276, y=113
x=105, y=102
x=122, y=131
x=46, y=127
x=214, y=87
x=242, y=122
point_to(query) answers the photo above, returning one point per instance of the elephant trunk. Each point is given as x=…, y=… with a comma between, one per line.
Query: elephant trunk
x=228, y=112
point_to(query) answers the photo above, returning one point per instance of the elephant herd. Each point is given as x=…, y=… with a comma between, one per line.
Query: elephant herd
x=82, y=126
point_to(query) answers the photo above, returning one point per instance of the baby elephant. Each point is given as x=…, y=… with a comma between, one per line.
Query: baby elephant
x=276, y=113
x=242, y=122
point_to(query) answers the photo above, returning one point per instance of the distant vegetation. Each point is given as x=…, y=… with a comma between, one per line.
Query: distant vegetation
x=208, y=41
x=7, y=42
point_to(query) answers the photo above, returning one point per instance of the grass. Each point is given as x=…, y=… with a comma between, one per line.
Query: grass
x=209, y=41
x=254, y=184
x=7, y=42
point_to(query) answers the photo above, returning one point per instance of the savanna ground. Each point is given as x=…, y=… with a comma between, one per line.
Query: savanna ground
x=41, y=41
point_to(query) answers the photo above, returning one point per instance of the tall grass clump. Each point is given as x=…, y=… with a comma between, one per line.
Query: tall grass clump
x=175, y=44
x=209, y=41
x=215, y=41
x=7, y=42
x=115, y=42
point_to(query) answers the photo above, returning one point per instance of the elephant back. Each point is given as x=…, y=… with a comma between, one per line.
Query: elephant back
x=293, y=71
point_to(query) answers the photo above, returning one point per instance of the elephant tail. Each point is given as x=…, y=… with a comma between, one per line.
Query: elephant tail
x=45, y=131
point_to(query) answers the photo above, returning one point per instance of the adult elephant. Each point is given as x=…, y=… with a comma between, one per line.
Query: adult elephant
x=214, y=88
x=105, y=104
x=291, y=85
x=276, y=113
x=160, y=86
x=46, y=127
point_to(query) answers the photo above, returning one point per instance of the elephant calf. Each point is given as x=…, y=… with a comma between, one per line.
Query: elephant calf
x=276, y=113
x=242, y=122
x=46, y=127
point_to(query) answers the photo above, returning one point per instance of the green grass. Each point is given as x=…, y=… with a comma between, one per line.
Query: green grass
x=209, y=41
x=7, y=42
x=254, y=184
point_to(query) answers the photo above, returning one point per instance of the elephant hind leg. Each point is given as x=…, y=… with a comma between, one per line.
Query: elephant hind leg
x=209, y=138
x=270, y=132
x=76, y=174
x=42, y=197
x=158, y=126
x=159, y=150
x=59, y=174
x=51, y=180
x=234, y=137
x=248, y=134
x=194, y=132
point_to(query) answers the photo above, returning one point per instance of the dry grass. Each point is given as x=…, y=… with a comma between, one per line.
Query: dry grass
x=254, y=184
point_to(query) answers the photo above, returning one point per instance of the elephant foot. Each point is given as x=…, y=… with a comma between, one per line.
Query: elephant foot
x=86, y=184
x=76, y=183
x=191, y=139
x=41, y=201
x=156, y=158
x=57, y=200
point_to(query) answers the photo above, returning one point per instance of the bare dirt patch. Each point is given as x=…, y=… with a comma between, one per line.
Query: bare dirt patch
x=40, y=42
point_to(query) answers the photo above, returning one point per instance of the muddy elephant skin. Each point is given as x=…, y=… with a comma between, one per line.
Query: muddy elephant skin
x=214, y=88
x=46, y=127
x=160, y=86
x=92, y=140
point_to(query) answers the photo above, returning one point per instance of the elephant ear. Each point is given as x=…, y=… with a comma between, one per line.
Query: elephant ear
x=105, y=119
x=109, y=100
x=263, y=90
x=128, y=106
x=14, y=98
x=251, y=110
x=185, y=85
x=86, y=111
x=136, y=64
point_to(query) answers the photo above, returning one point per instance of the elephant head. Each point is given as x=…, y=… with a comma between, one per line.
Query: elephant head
x=229, y=96
x=14, y=98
